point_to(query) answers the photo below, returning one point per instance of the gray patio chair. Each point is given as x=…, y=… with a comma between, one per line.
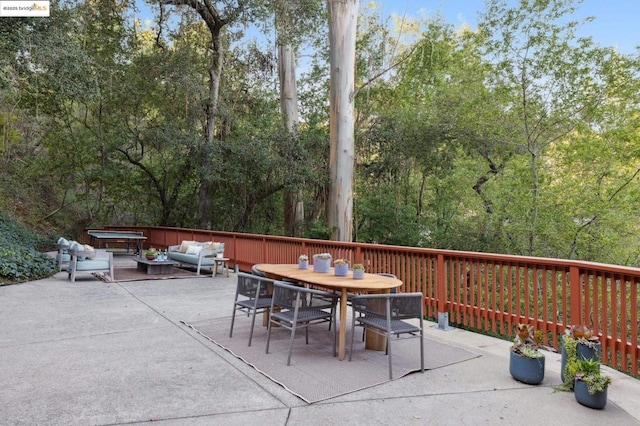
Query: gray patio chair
x=256, y=271
x=294, y=307
x=252, y=297
x=393, y=290
x=102, y=261
x=385, y=314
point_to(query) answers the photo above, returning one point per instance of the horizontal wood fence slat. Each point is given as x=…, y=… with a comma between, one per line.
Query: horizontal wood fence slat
x=480, y=291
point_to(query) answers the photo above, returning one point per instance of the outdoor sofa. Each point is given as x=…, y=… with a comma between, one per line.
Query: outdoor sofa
x=196, y=253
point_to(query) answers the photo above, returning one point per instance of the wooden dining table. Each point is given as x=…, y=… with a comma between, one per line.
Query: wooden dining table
x=371, y=283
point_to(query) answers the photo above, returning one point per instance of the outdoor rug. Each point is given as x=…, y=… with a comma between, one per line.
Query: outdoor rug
x=314, y=374
x=132, y=274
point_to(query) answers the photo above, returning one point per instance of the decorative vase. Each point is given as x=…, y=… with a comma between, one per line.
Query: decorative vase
x=598, y=400
x=321, y=265
x=358, y=274
x=303, y=264
x=341, y=270
x=526, y=370
x=151, y=256
x=582, y=352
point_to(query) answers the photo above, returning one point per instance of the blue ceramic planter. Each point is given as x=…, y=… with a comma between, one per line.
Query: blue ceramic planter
x=341, y=270
x=526, y=370
x=598, y=400
x=582, y=352
x=321, y=265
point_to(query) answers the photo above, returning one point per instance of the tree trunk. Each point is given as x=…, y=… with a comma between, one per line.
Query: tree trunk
x=343, y=15
x=206, y=151
x=293, y=204
x=210, y=14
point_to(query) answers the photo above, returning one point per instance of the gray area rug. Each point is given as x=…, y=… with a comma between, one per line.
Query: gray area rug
x=314, y=374
x=132, y=274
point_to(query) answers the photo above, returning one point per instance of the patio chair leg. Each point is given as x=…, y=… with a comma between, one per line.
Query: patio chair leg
x=268, y=336
x=353, y=331
x=233, y=319
x=293, y=335
x=389, y=354
x=253, y=323
x=421, y=340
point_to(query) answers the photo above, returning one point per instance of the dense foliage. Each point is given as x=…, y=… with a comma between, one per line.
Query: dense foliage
x=20, y=255
x=519, y=137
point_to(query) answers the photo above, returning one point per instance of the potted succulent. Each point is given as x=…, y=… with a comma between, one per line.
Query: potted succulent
x=322, y=263
x=358, y=271
x=526, y=362
x=303, y=261
x=151, y=254
x=590, y=387
x=341, y=267
x=578, y=342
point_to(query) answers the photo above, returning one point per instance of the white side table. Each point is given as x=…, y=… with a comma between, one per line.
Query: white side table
x=223, y=264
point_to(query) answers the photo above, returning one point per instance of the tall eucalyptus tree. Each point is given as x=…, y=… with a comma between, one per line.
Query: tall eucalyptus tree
x=293, y=19
x=343, y=16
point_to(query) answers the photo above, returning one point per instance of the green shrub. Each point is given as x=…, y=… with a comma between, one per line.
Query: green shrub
x=19, y=259
x=13, y=233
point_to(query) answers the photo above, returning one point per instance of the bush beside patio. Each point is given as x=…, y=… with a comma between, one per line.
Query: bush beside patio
x=20, y=259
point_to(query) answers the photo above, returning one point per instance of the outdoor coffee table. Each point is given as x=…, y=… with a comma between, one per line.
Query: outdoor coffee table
x=155, y=267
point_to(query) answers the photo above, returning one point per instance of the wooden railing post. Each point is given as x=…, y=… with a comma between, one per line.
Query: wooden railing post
x=576, y=296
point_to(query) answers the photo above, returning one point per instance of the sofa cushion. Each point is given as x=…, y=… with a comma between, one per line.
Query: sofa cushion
x=190, y=258
x=93, y=265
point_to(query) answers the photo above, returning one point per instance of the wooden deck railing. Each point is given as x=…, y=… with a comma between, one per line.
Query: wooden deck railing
x=480, y=291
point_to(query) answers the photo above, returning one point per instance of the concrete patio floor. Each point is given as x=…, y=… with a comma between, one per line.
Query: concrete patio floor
x=95, y=353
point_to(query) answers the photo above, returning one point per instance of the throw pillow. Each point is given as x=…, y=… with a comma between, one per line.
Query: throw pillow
x=91, y=253
x=194, y=249
x=185, y=244
x=212, y=246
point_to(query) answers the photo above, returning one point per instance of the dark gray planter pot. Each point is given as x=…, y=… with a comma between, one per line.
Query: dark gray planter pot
x=526, y=370
x=598, y=400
